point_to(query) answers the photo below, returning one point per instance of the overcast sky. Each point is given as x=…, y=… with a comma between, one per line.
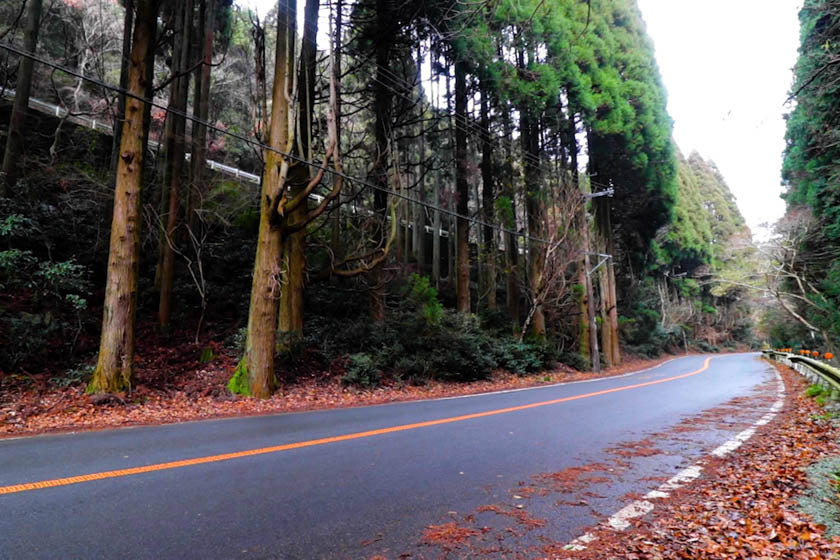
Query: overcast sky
x=727, y=67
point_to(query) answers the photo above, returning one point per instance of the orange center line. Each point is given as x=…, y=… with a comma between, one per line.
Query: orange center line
x=322, y=441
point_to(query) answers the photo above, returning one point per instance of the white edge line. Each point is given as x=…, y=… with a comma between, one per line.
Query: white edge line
x=620, y=520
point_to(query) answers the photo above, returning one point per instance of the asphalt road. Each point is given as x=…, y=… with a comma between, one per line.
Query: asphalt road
x=370, y=493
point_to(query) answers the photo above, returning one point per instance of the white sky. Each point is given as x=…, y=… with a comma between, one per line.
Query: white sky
x=727, y=67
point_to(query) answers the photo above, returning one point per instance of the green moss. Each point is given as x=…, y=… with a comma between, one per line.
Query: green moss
x=240, y=383
x=207, y=355
x=99, y=383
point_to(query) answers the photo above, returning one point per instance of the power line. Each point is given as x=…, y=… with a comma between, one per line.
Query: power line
x=256, y=143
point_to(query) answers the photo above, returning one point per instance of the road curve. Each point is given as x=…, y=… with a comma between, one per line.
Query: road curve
x=352, y=483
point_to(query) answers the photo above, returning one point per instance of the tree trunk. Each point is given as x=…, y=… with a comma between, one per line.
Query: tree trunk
x=488, y=199
x=14, y=140
x=436, y=232
x=379, y=173
x=613, y=308
x=462, y=254
x=584, y=319
x=419, y=214
x=534, y=209
x=115, y=369
x=294, y=244
x=511, y=245
x=201, y=110
x=255, y=373
x=594, y=353
x=436, y=221
x=179, y=103
x=606, y=329
x=610, y=319
x=583, y=315
x=128, y=26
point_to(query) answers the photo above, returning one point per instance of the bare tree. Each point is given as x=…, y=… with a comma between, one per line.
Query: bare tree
x=559, y=255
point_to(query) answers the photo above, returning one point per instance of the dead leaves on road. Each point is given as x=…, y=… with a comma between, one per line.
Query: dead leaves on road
x=743, y=506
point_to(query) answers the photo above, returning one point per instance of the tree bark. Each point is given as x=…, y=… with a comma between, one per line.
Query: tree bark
x=511, y=246
x=488, y=199
x=585, y=321
x=594, y=352
x=419, y=214
x=115, y=369
x=612, y=352
x=179, y=103
x=382, y=134
x=606, y=329
x=462, y=254
x=534, y=209
x=128, y=26
x=201, y=110
x=14, y=140
x=255, y=373
x=294, y=244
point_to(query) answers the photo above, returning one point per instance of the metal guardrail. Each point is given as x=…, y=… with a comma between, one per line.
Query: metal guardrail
x=814, y=370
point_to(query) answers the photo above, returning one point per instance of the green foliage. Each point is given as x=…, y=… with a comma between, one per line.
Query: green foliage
x=640, y=326
x=812, y=161
x=362, y=370
x=517, y=357
x=407, y=346
x=78, y=375
x=815, y=391
x=420, y=291
x=43, y=286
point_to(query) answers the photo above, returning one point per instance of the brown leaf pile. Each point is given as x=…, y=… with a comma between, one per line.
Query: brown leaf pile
x=173, y=386
x=744, y=506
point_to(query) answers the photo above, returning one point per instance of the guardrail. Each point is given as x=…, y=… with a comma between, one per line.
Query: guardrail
x=815, y=371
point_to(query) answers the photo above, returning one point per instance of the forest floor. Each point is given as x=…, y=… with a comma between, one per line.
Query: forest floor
x=174, y=385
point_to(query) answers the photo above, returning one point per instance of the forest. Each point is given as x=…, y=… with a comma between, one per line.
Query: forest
x=382, y=193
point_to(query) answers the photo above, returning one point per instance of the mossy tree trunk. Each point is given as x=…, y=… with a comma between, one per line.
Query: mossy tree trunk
x=114, y=369
x=255, y=373
x=14, y=139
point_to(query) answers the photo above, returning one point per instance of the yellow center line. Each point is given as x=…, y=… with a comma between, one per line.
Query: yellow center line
x=322, y=441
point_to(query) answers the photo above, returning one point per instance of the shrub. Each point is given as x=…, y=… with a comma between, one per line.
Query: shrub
x=814, y=391
x=362, y=370
x=517, y=357
x=574, y=360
